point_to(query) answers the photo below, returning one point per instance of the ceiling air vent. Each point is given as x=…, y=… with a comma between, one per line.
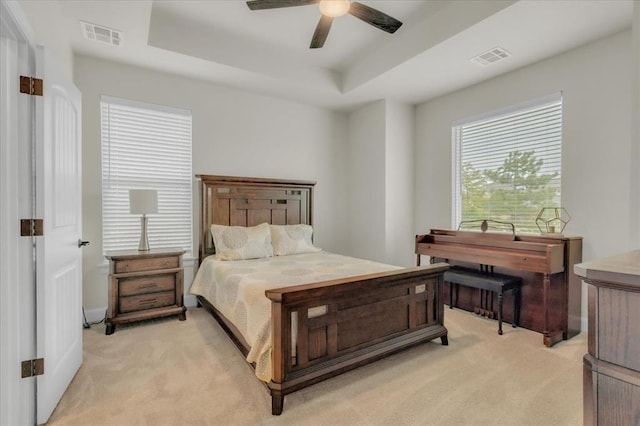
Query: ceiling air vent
x=101, y=34
x=491, y=56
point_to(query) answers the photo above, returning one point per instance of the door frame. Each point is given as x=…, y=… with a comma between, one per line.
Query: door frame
x=17, y=272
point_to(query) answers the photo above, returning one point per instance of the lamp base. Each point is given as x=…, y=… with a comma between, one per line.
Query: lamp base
x=144, y=240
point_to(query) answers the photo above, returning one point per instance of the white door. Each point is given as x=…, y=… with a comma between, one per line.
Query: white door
x=58, y=255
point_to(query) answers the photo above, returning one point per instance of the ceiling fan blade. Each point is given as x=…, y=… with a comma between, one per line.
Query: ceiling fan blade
x=374, y=17
x=274, y=4
x=321, y=32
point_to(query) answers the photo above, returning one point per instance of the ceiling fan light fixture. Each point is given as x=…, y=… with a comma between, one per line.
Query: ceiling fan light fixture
x=331, y=9
x=334, y=8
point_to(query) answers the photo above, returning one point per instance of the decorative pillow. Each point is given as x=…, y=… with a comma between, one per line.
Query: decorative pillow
x=240, y=242
x=292, y=239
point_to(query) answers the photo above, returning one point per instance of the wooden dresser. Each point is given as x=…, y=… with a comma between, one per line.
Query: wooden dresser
x=144, y=285
x=612, y=366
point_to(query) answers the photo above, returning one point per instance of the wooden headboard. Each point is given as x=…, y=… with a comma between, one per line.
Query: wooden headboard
x=240, y=201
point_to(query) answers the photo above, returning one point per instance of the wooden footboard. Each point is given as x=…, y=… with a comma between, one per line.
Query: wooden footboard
x=343, y=324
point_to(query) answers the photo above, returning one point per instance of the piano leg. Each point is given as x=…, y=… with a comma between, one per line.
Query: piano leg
x=491, y=315
x=500, y=313
x=549, y=338
x=546, y=282
x=516, y=307
x=485, y=304
x=451, y=295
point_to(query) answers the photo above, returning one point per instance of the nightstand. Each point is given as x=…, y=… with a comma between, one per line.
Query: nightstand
x=144, y=285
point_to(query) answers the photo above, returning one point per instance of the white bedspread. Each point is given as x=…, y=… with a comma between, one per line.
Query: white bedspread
x=237, y=290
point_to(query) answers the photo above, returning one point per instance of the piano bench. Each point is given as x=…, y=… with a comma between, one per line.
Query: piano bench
x=488, y=281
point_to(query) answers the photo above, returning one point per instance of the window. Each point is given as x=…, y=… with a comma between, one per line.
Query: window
x=145, y=147
x=507, y=166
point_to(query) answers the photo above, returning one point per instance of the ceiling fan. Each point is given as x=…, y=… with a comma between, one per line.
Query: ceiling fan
x=331, y=9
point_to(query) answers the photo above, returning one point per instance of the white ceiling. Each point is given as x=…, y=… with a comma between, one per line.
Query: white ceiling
x=267, y=51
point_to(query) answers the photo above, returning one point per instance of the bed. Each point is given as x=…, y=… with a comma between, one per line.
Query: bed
x=317, y=323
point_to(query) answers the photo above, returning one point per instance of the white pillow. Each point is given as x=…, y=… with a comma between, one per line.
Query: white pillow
x=292, y=239
x=240, y=242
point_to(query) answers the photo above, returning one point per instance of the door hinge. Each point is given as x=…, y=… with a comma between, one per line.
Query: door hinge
x=32, y=367
x=31, y=85
x=31, y=227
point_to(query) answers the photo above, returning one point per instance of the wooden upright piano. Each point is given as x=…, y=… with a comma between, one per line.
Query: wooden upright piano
x=551, y=293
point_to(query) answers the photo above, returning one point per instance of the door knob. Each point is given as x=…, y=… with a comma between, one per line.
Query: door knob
x=82, y=243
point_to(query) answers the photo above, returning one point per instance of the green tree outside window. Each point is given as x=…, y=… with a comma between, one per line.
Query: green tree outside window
x=514, y=192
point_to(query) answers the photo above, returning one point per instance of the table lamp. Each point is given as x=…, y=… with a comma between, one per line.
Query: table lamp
x=144, y=202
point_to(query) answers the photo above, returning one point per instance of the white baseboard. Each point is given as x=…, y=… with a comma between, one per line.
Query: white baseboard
x=190, y=301
x=94, y=315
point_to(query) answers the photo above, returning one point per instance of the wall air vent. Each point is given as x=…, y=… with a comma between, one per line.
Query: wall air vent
x=101, y=34
x=490, y=56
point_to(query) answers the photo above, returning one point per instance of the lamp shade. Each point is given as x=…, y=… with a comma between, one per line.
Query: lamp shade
x=143, y=201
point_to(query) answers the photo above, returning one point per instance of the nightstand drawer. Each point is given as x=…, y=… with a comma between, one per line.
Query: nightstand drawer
x=147, y=301
x=150, y=264
x=146, y=284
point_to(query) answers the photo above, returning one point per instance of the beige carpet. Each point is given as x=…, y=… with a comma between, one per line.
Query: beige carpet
x=171, y=372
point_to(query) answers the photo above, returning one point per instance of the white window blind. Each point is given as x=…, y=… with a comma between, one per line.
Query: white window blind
x=145, y=147
x=508, y=166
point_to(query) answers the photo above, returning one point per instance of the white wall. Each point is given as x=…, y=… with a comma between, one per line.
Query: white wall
x=400, y=181
x=595, y=81
x=46, y=20
x=634, y=195
x=235, y=133
x=381, y=179
x=358, y=162
x=366, y=182
x=596, y=171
